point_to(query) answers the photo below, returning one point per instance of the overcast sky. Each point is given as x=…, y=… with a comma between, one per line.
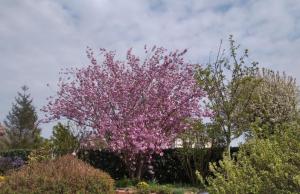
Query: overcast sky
x=39, y=37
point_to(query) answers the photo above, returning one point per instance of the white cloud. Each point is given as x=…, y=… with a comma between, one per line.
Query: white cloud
x=37, y=38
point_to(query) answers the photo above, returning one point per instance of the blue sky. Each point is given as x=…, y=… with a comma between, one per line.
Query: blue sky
x=39, y=37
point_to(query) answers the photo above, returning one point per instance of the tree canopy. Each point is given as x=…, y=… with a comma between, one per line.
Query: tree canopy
x=137, y=106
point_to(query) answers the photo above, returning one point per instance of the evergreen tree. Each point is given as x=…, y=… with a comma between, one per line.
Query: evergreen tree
x=22, y=122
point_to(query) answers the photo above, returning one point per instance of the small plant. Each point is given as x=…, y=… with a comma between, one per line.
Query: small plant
x=143, y=187
x=178, y=191
x=163, y=189
x=125, y=182
x=2, y=178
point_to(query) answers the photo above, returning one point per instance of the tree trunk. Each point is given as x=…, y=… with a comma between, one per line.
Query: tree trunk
x=139, y=169
x=228, y=141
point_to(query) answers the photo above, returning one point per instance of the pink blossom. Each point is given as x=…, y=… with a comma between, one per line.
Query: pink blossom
x=138, y=106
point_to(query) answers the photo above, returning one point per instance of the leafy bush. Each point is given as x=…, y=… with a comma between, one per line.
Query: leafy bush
x=143, y=187
x=162, y=189
x=66, y=175
x=263, y=166
x=10, y=163
x=43, y=153
x=125, y=182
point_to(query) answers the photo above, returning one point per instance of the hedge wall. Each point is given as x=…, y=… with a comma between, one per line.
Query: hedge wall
x=168, y=168
x=105, y=160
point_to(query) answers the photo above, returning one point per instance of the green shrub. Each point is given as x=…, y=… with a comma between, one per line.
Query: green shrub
x=143, y=187
x=65, y=175
x=162, y=189
x=178, y=191
x=43, y=153
x=125, y=182
x=263, y=166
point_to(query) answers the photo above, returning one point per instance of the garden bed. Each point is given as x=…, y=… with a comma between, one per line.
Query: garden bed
x=152, y=188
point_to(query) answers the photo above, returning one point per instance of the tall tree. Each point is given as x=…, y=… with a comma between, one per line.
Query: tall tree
x=230, y=83
x=137, y=106
x=241, y=93
x=22, y=122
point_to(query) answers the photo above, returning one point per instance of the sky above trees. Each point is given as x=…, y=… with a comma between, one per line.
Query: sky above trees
x=38, y=38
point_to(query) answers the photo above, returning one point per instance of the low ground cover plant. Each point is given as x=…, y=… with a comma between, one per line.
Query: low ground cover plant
x=153, y=187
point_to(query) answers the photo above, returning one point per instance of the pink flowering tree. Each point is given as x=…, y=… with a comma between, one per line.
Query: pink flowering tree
x=136, y=106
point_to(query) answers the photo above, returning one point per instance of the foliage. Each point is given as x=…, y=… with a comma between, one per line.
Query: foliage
x=63, y=140
x=240, y=94
x=22, y=123
x=125, y=182
x=43, y=153
x=191, y=160
x=275, y=101
x=164, y=189
x=197, y=150
x=66, y=175
x=136, y=106
x=108, y=161
x=168, y=168
x=143, y=188
x=161, y=189
x=262, y=166
x=229, y=83
x=10, y=163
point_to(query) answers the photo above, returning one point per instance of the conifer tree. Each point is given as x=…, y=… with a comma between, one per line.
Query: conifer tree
x=22, y=122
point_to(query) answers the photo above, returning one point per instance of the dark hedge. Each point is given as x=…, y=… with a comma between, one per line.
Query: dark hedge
x=22, y=153
x=168, y=168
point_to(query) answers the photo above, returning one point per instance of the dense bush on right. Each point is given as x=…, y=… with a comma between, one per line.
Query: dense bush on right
x=262, y=166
